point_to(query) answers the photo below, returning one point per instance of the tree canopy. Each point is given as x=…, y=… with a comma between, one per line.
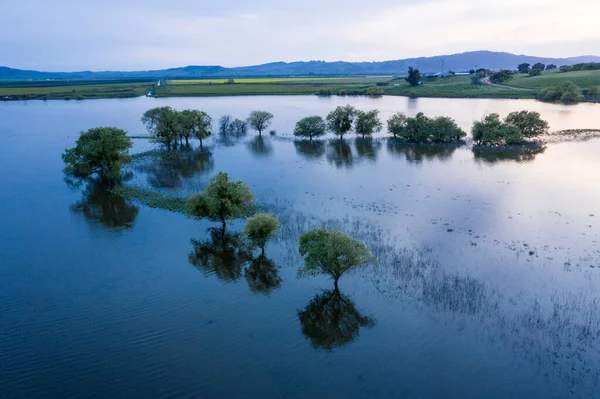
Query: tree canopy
x=340, y=120
x=311, y=126
x=196, y=124
x=221, y=200
x=260, y=228
x=414, y=76
x=101, y=150
x=367, y=122
x=163, y=124
x=259, y=120
x=421, y=129
x=529, y=122
x=331, y=252
x=524, y=67
x=493, y=131
x=566, y=93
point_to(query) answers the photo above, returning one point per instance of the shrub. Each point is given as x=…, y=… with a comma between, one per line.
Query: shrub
x=566, y=93
x=422, y=129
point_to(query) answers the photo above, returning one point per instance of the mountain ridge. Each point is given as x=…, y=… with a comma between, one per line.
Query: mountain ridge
x=457, y=62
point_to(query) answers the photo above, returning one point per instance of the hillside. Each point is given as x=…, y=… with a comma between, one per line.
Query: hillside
x=456, y=62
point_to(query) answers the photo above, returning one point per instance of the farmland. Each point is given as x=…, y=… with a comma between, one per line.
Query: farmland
x=73, y=90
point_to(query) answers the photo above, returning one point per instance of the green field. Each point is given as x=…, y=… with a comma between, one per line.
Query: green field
x=520, y=86
x=72, y=90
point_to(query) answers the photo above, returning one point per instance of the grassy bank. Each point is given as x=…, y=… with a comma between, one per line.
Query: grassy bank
x=73, y=90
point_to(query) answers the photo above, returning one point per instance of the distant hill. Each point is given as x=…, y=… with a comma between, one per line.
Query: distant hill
x=456, y=62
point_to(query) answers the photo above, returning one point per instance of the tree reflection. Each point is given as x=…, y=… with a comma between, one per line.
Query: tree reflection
x=174, y=166
x=260, y=147
x=493, y=156
x=310, y=149
x=340, y=154
x=417, y=153
x=223, y=255
x=262, y=275
x=331, y=320
x=100, y=205
x=367, y=148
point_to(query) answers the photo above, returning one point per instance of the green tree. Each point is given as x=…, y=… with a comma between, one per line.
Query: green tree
x=539, y=66
x=523, y=68
x=535, y=72
x=340, y=120
x=421, y=129
x=221, y=200
x=259, y=120
x=331, y=252
x=196, y=124
x=311, y=126
x=164, y=124
x=566, y=93
x=550, y=67
x=414, y=76
x=367, y=122
x=260, y=228
x=492, y=131
x=101, y=150
x=396, y=125
x=529, y=122
x=501, y=76
x=331, y=320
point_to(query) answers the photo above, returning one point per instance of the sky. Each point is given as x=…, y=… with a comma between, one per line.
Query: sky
x=69, y=35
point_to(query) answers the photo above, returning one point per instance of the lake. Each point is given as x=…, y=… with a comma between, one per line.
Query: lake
x=487, y=280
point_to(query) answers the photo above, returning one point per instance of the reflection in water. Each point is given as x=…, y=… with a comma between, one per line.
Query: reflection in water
x=172, y=167
x=331, y=320
x=493, y=156
x=262, y=275
x=310, y=149
x=417, y=153
x=340, y=154
x=230, y=132
x=102, y=206
x=223, y=255
x=260, y=147
x=367, y=148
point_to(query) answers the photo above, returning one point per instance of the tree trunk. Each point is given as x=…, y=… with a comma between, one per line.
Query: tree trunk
x=335, y=282
x=186, y=141
x=200, y=143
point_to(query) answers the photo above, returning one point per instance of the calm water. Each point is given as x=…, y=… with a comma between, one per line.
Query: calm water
x=488, y=281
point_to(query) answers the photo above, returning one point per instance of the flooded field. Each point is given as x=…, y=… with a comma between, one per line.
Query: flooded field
x=487, y=282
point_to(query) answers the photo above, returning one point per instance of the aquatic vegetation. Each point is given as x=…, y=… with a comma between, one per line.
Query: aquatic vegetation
x=150, y=198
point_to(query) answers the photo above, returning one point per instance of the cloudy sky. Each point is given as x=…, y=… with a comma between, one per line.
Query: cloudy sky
x=72, y=35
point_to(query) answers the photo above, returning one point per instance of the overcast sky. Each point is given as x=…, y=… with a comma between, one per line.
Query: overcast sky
x=70, y=35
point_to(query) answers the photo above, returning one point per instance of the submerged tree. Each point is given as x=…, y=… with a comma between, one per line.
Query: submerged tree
x=260, y=228
x=331, y=320
x=259, y=120
x=491, y=130
x=102, y=151
x=311, y=126
x=529, y=122
x=164, y=124
x=223, y=255
x=331, y=252
x=367, y=122
x=262, y=275
x=396, y=125
x=196, y=124
x=221, y=200
x=340, y=120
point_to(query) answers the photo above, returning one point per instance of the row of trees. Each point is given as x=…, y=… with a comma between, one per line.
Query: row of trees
x=168, y=126
x=340, y=121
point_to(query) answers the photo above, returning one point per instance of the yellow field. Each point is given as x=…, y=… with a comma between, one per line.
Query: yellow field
x=253, y=80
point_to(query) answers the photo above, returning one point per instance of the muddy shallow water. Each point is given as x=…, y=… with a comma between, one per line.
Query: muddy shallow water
x=487, y=283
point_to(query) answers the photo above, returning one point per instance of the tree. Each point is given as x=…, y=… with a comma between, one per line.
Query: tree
x=523, y=68
x=566, y=93
x=374, y=91
x=331, y=252
x=196, y=124
x=260, y=228
x=501, y=76
x=101, y=150
x=339, y=121
x=396, y=125
x=535, y=72
x=550, y=67
x=529, y=122
x=331, y=320
x=311, y=126
x=414, y=76
x=492, y=131
x=259, y=120
x=367, y=122
x=164, y=124
x=221, y=200
x=539, y=66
